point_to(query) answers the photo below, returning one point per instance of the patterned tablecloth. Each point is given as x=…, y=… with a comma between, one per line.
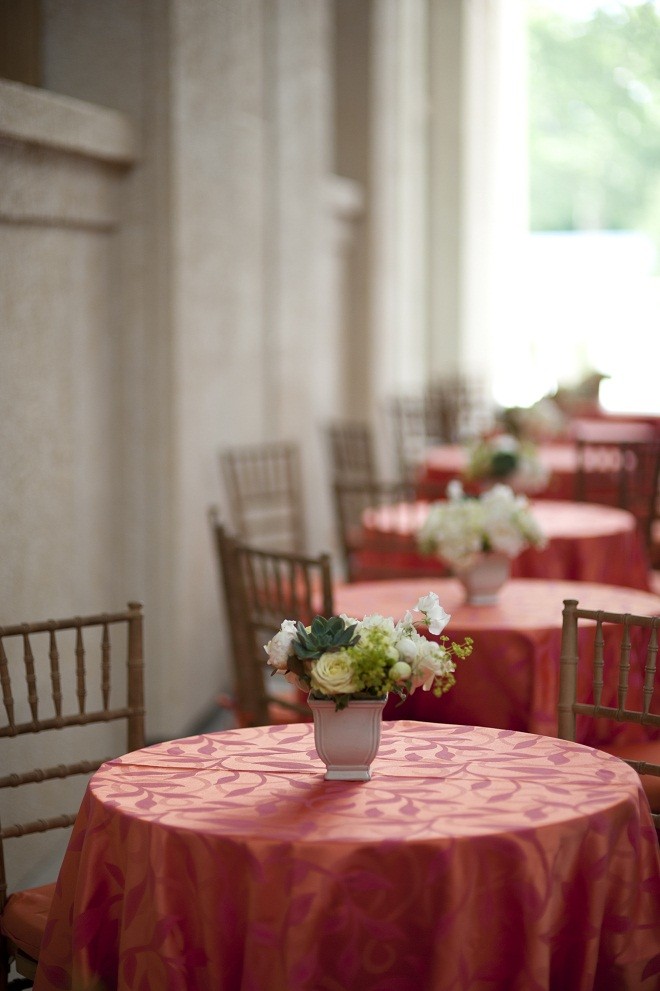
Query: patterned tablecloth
x=474, y=859
x=585, y=543
x=511, y=681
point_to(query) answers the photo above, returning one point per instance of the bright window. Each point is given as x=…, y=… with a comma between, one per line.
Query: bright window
x=590, y=284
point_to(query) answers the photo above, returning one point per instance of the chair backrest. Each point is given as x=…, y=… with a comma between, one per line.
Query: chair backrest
x=351, y=500
x=55, y=657
x=587, y=686
x=418, y=424
x=264, y=485
x=351, y=451
x=261, y=588
x=463, y=408
x=624, y=474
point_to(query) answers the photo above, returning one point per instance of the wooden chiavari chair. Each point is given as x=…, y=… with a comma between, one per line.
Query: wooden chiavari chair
x=637, y=662
x=55, y=655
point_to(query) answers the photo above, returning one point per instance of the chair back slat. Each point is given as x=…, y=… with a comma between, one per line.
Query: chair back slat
x=599, y=661
x=55, y=679
x=81, y=690
x=5, y=681
x=650, y=670
x=105, y=667
x=624, y=665
x=30, y=677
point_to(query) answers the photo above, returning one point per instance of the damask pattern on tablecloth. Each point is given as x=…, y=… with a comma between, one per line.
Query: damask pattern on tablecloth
x=511, y=680
x=474, y=859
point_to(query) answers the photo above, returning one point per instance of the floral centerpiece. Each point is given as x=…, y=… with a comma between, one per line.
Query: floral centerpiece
x=343, y=659
x=463, y=527
x=504, y=457
x=542, y=421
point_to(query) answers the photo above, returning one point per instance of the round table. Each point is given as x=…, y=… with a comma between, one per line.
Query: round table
x=445, y=462
x=511, y=680
x=609, y=430
x=473, y=858
x=585, y=543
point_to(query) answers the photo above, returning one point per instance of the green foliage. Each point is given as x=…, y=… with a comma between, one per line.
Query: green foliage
x=595, y=120
x=372, y=659
x=323, y=636
x=504, y=463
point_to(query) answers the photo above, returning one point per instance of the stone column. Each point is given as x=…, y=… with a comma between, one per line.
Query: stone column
x=398, y=210
x=477, y=177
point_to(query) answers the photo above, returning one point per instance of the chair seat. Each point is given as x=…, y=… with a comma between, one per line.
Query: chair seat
x=647, y=750
x=24, y=918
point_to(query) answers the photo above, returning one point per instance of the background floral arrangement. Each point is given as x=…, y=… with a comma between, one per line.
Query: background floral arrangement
x=343, y=658
x=503, y=457
x=542, y=421
x=464, y=526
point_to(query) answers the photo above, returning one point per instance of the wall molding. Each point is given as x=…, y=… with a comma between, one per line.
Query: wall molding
x=62, y=161
x=62, y=123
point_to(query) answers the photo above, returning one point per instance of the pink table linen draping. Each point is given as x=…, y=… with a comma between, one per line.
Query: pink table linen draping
x=613, y=431
x=474, y=860
x=585, y=543
x=511, y=680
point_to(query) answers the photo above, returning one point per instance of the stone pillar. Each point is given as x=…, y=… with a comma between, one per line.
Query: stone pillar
x=477, y=177
x=301, y=379
x=398, y=207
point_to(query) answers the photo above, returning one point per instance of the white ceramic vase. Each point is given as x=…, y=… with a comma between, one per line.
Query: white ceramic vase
x=347, y=740
x=483, y=579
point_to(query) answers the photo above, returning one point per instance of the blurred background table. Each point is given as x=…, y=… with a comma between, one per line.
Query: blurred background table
x=226, y=861
x=613, y=431
x=444, y=462
x=511, y=681
x=585, y=543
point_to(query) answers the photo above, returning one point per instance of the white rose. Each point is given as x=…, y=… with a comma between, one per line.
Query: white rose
x=279, y=649
x=332, y=674
x=400, y=671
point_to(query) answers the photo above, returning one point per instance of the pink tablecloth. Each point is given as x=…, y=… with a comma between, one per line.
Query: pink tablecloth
x=610, y=430
x=585, y=543
x=511, y=681
x=474, y=859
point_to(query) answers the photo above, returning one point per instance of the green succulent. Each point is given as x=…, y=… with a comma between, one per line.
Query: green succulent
x=323, y=636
